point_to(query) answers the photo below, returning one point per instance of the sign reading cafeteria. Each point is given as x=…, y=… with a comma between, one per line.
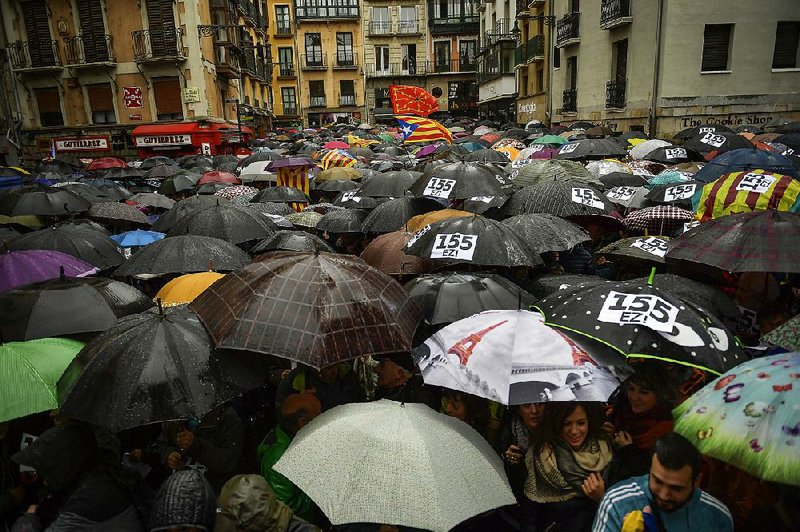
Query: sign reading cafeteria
x=163, y=140
x=82, y=144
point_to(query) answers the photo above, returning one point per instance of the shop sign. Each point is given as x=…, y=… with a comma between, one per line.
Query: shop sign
x=526, y=108
x=81, y=144
x=191, y=95
x=148, y=141
x=133, y=98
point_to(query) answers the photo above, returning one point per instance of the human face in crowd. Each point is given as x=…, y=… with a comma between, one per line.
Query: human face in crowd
x=455, y=407
x=390, y=374
x=671, y=489
x=641, y=399
x=575, y=428
x=531, y=414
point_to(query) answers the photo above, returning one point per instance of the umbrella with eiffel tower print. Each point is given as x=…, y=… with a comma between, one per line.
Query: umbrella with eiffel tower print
x=512, y=357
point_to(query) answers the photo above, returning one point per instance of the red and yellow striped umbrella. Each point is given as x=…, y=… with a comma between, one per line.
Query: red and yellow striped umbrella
x=747, y=191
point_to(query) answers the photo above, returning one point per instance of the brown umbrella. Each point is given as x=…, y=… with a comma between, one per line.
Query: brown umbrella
x=118, y=211
x=314, y=308
x=387, y=254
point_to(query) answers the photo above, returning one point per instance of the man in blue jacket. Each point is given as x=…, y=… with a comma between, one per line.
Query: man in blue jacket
x=668, y=499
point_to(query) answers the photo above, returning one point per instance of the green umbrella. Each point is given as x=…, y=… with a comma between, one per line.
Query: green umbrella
x=29, y=372
x=550, y=139
x=787, y=335
x=386, y=137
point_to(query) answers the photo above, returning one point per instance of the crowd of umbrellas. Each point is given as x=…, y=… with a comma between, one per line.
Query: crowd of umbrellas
x=144, y=291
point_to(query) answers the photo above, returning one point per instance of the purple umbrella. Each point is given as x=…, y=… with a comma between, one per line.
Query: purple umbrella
x=545, y=153
x=426, y=150
x=20, y=268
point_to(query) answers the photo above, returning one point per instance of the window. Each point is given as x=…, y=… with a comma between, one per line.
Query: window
x=381, y=21
x=93, y=36
x=101, y=101
x=382, y=98
x=523, y=82
x=466, y=54
x=382, y=59
x=539, y=80
x=167, y=92
x=326, y=8
x=408, y=20
x=49, y=103
x=289, y=100
x=40, y=48
x=285, y=61
x=716, y=47
x=344, y=49
x=283, y=24
x=316, y=91
x=620, y=60
x=787, y=35
x=556, y=57
x=347, y=92
x=441, y=54
x=572, y=72
x=313, y=49
x=161, y=21
x=409, y=64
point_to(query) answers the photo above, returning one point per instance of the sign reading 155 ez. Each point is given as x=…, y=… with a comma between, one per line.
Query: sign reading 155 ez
x=648, y=310
x=454, y=246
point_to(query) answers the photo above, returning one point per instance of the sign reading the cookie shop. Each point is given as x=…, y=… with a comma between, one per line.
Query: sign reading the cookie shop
x=148, y=141
x=68, y=144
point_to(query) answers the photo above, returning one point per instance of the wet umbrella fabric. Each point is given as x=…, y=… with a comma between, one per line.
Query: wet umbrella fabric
x=231, y=223
x=153, y=199
x=559, y=198
x=393, y=214
x=658, y=220
x=30, y=371
x=314, y=308
x=183, y=254
x=387, y=253
x=130, y=239
x=461, y=180
x=20, y=268
x=764, y=241
x=748, y=417
x=644, y=321
x=41, y=201
x=678, y=194
x=118, y=212
x=553, y=170
x=756, y=190
x=335, y=186
x=746, y=160
x=391, y=184
x=450, y=296
x=651, y=248
x=342, y=221
x=281, y=195
x=186, y=288
x=475, y=240
x=545, y=232
x=672, y=155
x=152, y=367
x=292, y=241
x=591, y=149
x=308, y=219
x=66, y=306
x=711, y=144
x=86, y=244
x=513, y=357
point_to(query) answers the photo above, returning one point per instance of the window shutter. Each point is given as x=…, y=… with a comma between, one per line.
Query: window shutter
x=168, y=96
x=101, y=98
x=716, y=41
x=787, y=36
x=48, y=100
x=35, y=14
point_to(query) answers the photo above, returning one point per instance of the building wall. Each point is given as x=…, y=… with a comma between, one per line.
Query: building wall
x=278, y=82
x=532, y=103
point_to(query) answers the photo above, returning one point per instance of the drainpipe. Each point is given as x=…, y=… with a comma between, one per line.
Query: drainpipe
x=653, y=114
x=549, y=97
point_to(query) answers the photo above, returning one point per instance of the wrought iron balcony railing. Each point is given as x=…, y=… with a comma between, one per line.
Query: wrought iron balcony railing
x=158, y=44
x=379, y=27
x=569, y=102
x=346, y=60
x=568, y=29
x=88, y=49
x=614, y=13
x=316, y=101
x=31, y=56
x=347, y=100
x=615, y=94
x=314, y=61
x=286, y=70
x=452, y=65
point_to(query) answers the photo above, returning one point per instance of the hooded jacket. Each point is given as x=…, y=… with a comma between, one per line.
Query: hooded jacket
x=184, y=499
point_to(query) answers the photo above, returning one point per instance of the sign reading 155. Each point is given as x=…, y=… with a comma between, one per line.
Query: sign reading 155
x=454, y=246
x=648, y=310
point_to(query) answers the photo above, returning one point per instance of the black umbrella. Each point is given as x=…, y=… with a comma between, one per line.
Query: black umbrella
x=122, y=174
x=448, y=297
x=38, y=200
x=153, y=199
x=714, y=143
x=482, y=204
x=708, y=297
x=393, y=214
x=389, y=185
x=622, y=179
x=158, y=160
x=212, y=188
x=674, y=155
x=678, y=194
x=86, y=244
x=259, y=156
x=335, y=185
x=792, y=140
x=279, y=209
x=291, y=241
x=178, y=182
x=461, y=180
x=644, y=321
x=151, y=367
x=545, y=285
x=281, y=195
x=486, y=156
x=352, y=200
x=580, y=125
x=66, y=306
x=118, y=212
x=651, y=248
x=231, y=223
x=186, y=206
x=183, y=254
x=91, y=194
x=545, y=232
x=342, y=221
x=475, y=240
x=560, y=198
x=591, y=149
x=114, y=190
x=161, y=171
x=688, y=133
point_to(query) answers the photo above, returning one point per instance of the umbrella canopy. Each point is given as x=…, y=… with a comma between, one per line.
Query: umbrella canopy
x=86, y=244
x=389, y=185
x=20, y=268
x=711, y=144
x=178, y=182
x=461, y=180
x=315, y=308
x=553, y=170
x=118, y=212
x=748, y=417
x=652, y=248
x=153, y=199
x=629, y=197
x=763, y=241
x=553, y=140
x=672, y=155
x=30, y=371
x=545, y=232
x=643, y=321
x=756, y=190
x=39, y=200
x=688, y=133
x=281, y=195
x=622, y=179
x=476, y=240
x=341, y=221
x=486, y=155
x=167, y=220
x=421, y=220
x=786, y=335
x=512, y=357
x=137, y=238
x=559, y=198
x=659, y=220
x=154, y=161
x=292, y=241
x=592, y=149
x=231, y=223
x=160, y=171
x=66, y=306
x=218, y=177
x=308, y=219
x=186, y=288
x=151, y=367
x=238, y=194
x=387, y=254
x=643, y=149
x=679, y=194
x=443, y=471
x=338, y=173
x=338, y=185
x=450, y=296
x=104, y=163
x=183, y=254
x=606, y=166
x=395, y=213
x=746, y=160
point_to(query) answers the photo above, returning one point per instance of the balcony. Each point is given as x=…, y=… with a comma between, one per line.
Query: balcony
x=615, y=94
x=494, y=70
x=289, y=111
x=453, y=65
x=346, y=61
x=379, y=27
x=89, y=50
x=248, y=61
x=283, y=30
x=568, y=30
x=347, y=100
x=397, y=70
x=228, y=62
x=500, y=32
x=532, y=50
x=316, y=101
x=158, y=45
x=326, y=9
x=39, y=56
x=286, y=70
x=569, y=102
x=615, y=13
x=408, y=27
x=451, y=25
x=316, y=61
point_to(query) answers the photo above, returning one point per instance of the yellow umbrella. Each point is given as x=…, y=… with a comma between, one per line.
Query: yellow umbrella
x=185, y=288
x=335, y=173
x=634, y=141
x=510, y=151
x=421, y=220
x=28, y=220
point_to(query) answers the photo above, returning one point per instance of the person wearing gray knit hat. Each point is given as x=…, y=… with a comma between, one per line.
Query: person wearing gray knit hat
x=185, y=502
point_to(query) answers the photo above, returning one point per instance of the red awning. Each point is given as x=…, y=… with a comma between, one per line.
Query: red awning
x=186, y=127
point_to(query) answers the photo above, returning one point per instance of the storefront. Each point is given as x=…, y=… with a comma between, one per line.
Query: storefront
x=82, y=144
x=189, y=138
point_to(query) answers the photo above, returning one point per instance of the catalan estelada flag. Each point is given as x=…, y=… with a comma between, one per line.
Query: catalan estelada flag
x=747, y=191
x=352, y=140
x=417, y=129
x=337, y=158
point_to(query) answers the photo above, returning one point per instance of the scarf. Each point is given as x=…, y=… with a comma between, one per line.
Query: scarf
x=520, y=434
x=645, y=428
x=557, y=472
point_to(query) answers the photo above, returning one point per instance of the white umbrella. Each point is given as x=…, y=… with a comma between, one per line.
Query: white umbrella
x=643, y=149
x=396, y=464
x=257, y=172
x=513, y=357
x=606, y=166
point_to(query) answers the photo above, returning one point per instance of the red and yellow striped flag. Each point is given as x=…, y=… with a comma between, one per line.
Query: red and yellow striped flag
x=417, y=129
x=337, y=158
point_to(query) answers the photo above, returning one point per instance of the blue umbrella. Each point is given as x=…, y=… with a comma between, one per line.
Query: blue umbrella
x=138, y=237
x=746, y=159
